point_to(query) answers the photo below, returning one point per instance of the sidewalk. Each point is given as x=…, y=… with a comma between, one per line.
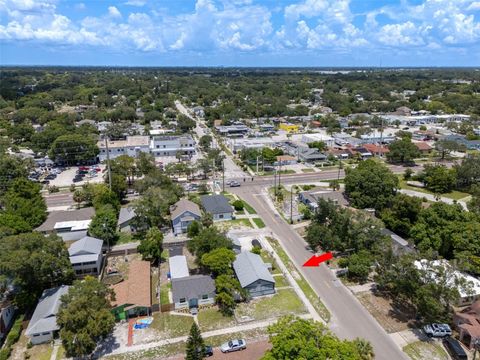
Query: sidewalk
x=431, y=197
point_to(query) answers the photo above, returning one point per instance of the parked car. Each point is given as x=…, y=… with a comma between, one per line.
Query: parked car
x=437, y=330
x=234, y=183
x=233, y=345
x=455, y=349
x=208, y=350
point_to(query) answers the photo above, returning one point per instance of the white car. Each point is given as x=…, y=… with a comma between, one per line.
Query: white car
x=437, y=330
x=233, y=345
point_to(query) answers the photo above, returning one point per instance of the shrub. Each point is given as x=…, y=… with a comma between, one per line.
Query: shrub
x=53, y=189
x=5, y=353
x=238, y=205
x=257, y=250
x=72, y=188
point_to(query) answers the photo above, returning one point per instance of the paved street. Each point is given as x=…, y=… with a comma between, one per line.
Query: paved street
x=349, y=318
x=254, y=351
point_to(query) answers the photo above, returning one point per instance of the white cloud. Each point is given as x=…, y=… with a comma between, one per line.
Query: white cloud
x=114, y=12
x=400, y=34
x=138, y=3
x=474, y=6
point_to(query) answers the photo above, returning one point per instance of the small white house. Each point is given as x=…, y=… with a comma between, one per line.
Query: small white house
x=218, y=206
x=86, y=256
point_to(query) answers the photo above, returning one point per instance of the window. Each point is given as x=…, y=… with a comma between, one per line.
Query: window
x=182, y=300
x=220, y=216
x=205, y=296
x=158, y=146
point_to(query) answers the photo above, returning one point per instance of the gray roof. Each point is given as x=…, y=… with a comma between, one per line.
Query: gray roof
x=249, y=268
x=126, y=214
x=216, y=204
x=192, y=287
x=85, y=250
x=44, y=318
x=70, y=215
x=321, y=193
x=183, y=205
x=178, y=267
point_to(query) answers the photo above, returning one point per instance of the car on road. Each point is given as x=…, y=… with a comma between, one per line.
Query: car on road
x=455, y=349
x=234, y=183
x=437, y=330
x=233, y=345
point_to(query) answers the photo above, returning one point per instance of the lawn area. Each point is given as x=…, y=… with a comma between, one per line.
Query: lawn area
x=225, y=225
x=229, y=196
x=304, y=285
x=308, y=170
x=125, y=238
x=171, y=325
x=249, y=207
x=40, y=352
x=267, y=258
x=259, y=222
x=157, y=352
x=283, y=172
x=212, y=319
x=155, y=281
x=455, y=195
x=60, y=353
x=431, y=350
x=282, y=303
x=164, y=289
x=280, y=281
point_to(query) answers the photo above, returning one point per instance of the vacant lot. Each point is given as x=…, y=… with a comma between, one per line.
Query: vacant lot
x=421, y=350
x=212, y=319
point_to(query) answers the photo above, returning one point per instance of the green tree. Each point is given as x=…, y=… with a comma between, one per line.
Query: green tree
x=73, y=149
x=219, y=261
x=445, y=147
x=104, y=225
x=358, y=265
x=226, y=288
x=402, y=214
x=238, y=205
x=84, y=316
x=193, y=229
x=145, y=163
x=438, y=178
x=152, y=246
x=11, y=169
x=119, y=185
x=79, y=197
x=474, y=203
x=295, y=338
x=35, y=262
x=205, y=142
x=402, y=151
x=370, y=185
x=195, y=348
x=320, y=145
x=468, y=171
x=365, y=349
x=208, y=239
x=124, y=165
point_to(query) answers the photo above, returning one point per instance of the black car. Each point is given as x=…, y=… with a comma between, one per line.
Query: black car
x=77, y=179
x=455, y=349
x=208, y=350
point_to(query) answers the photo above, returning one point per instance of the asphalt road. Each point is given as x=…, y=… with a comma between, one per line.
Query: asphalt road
x=349, y=318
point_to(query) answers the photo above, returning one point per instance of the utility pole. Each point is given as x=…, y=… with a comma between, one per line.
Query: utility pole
x=213, y=170
x=108, y=164
x=257, y=163
x=275, y=182
x=340, y=167
x=291, y=204
x=279, y=173
x=223, y=174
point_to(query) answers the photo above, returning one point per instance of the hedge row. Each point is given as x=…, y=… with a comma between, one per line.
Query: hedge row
x=12, y=338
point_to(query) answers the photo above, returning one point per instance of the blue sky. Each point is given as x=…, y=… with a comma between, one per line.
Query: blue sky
x=240, y=32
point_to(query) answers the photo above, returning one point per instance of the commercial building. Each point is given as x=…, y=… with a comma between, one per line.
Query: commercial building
x=131, y=146
x=172, y=145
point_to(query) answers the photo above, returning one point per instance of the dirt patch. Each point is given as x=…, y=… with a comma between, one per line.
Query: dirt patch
x=392, y=316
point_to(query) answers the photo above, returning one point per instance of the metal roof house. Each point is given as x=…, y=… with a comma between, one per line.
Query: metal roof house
x=183, y=213
x=178, y=267
x=86, y=256
x=43, y=324
x=193, y=291
x=125, y=218
x=253, y=275
x=70, y=225
x=218, y=206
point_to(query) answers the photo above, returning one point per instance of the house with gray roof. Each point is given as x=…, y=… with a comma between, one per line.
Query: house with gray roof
x=193, y=291
x=43, y=324
x=183, y=213
x=86, y=256
x=218, y=206
x=125, y=218
x=311, y=197
x=253, y=274
x=70, y=225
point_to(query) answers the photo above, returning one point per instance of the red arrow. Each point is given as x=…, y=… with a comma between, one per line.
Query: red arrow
x=317, y=260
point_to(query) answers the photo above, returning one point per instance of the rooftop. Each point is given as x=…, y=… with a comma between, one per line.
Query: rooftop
x=216, y=204
x=183, y=205
x=178, y=267
x=136, y=288
x=192, y=287
x=55, y=217
x=249, y=267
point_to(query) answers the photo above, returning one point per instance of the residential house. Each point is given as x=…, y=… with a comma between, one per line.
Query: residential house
x=376, y=150
x=311, y=197
x=125, y=217
x=400, y=246
x=311, y=155
x=71, y=225
x=7, y=316
x=183, y=213
x=131, y=146
x=133, y=295
x=193, y=291
x=178, y=267
x=467, y=296
x=423, y=147
x=218, y=206
x=43, y=324
x=253, y=274
x=86, y=256
x=285, y=160
x=377, y=137
x=171, y=145
x=288, y=127
x=467, y=322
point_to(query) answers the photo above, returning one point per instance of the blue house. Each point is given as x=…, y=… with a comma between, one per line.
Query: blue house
x=183, y=213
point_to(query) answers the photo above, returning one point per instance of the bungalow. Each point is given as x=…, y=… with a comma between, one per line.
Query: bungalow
x=467, y=322
x=423, y=147
x=193, y=291
x=86, y=256
x=125, y=218
x=311, y=155
x=43, y=324
x=400, y=246
x=183, y=213
x=133, y=295
x=285, y=160
x=70, y=225
x=311, y=197
x=376, y=150
x=218, y=206
x=253, y=274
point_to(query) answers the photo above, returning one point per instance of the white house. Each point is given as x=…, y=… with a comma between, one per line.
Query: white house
x=131, y=146
x=86, y=256
x=170, y=145
x=218, y=206
x=43, y=324
x=193, y=291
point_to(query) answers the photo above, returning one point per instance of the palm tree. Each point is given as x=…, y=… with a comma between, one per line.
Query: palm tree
x=364, y=348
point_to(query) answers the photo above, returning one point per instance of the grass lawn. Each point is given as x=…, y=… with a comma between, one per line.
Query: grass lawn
x=455, y=195
x=164, y=289
x=171, y=325
x=308, y=170
x=280, y=281
x=212, y=319
x=267, y=258
x=249, y=207
x=60, y=353
x=283, y=172
x=155, y=281
x=282, y=303
x=229, y=196
x=259, y=222
x=40, y=352
x=157, y=352
x=420, y=350
x=304, y=285
x=225, y=225
x=124, y=238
